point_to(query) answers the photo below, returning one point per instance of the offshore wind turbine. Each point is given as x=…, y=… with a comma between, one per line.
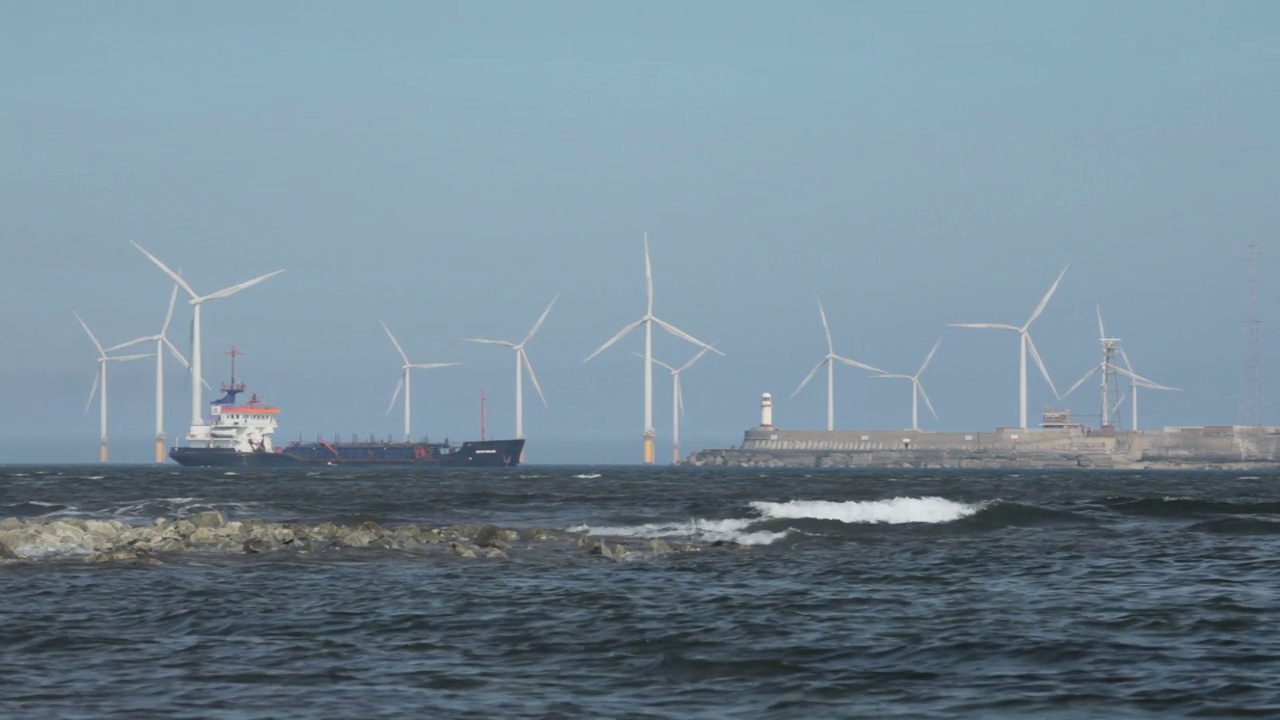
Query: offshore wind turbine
x=1138, y=381
x=648, y=320
x=100, y=378
x=404, y=379
x=197, y=300
x=831, y=376
x=917, y=390
x=522, y=363
x=677, y=399
x=1025, y=344
x=161, y=340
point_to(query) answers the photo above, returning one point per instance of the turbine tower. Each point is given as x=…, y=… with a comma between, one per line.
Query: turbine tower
x=677, y=399
x=831, y=377
x=162, y=341
x=522, y=363
x=404, y=379
x=648, y=320
x=917, y=390
x=101, y=379
x=1025, y=344
x=197, y=300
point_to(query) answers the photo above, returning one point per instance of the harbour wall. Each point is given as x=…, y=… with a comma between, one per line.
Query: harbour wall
x=1199, y=447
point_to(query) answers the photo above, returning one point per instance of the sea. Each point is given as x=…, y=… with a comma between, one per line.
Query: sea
x=785, y=593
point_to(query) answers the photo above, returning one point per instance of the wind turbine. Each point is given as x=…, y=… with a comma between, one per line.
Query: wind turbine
x=1138, y=381
x=404, y=379
x=522, y=363
x=197, y=381
x=648, y=320
x=677, y=399
x=162, y=341
x=1110, y=347
x=831, y=375
x=101, y=379
x=1024, y=344
x=917, y=390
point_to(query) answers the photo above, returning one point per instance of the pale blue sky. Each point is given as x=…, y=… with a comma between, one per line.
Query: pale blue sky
x=448, y=167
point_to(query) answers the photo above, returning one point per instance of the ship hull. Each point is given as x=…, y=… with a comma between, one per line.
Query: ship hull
x=483, y=453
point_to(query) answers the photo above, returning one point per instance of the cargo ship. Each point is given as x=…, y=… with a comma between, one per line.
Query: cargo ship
x=239, y=434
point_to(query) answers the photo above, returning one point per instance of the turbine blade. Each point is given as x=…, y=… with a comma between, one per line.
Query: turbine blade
x=175, y=352
x=648, y=273
x=176, y=277
x=1035, y=355
x=1102, y=332
x=92, y=391
x=616, y=338
x=123, y=358
x=889, y=375
x=928, y=358
x=1080, y=382
x=101, y=352
x=396, y=394
x=431, y=366
x=541, y=318
x=656, y=361
x=173, y=298
x=679, y=390
x=1115, y=409
x=1125, y=356
x=826, y=329
x=131, y=343
x=224, y=292
x=1045, y=300
x=1144, y=382
x=984, y=326
x=504, y=343
x=860, y=365
x=925, y=395
x=812, y=372
x=692, y=360
x=532, y=376
x=395, y=342
x=684, y=335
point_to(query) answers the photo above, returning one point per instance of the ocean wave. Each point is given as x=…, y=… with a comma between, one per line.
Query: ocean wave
x=893, y=511
x=732, y=530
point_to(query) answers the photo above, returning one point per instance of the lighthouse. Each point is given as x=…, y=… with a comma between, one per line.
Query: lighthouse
x=766, y=410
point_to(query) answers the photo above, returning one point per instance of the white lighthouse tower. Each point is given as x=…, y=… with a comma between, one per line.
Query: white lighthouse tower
x=766, y=411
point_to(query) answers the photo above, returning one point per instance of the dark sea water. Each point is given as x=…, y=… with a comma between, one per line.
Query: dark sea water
x=810, y=594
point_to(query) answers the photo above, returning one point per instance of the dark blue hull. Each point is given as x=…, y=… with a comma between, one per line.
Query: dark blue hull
x=482, y=453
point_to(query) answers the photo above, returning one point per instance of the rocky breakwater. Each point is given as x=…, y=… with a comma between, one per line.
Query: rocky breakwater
x=97, y=541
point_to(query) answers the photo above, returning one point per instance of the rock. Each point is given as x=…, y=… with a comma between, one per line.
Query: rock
x=10, y=523
x=659, y=546
x=429, y=536
x=461, y=550
x=257, y=545
x=486, y=535
x=6, y=553
x=536, y=534
x=208, y=519
x=495, y=553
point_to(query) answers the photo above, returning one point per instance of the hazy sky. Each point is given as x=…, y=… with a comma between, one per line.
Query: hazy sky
x=449, y=167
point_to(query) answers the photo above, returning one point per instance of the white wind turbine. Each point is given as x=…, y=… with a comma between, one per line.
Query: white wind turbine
x=162, y=341
x=1024, y=344
x=522, y=363
x=831, y=375
x=648, y=320
x=677, y=399
x=1138, y=381
x=100, y=378
x=405, y=378
x=1109, y=369
x=917, y=390
x=197, y=381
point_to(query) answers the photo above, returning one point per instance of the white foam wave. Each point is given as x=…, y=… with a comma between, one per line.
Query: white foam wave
x=894, y=511
x=588, y=476
x=702, y=531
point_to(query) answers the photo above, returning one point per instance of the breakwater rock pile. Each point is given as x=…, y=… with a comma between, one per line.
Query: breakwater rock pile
x=211, y=532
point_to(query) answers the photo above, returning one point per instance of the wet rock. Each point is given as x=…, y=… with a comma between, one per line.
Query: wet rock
x=659, y=546
x=486, y=535
x=10, y=523
x=6, y=553
x=256, y=545
x=430, y=536
x=536, y=534
x=461, y=550
x=208, y=519
x=495, y=553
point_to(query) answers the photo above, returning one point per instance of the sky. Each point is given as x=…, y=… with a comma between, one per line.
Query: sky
x=448, y=168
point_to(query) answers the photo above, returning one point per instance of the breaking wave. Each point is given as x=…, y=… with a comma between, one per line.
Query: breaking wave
x=894, y=511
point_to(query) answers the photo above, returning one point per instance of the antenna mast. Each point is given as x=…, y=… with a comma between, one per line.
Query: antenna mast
x=1251, y=390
